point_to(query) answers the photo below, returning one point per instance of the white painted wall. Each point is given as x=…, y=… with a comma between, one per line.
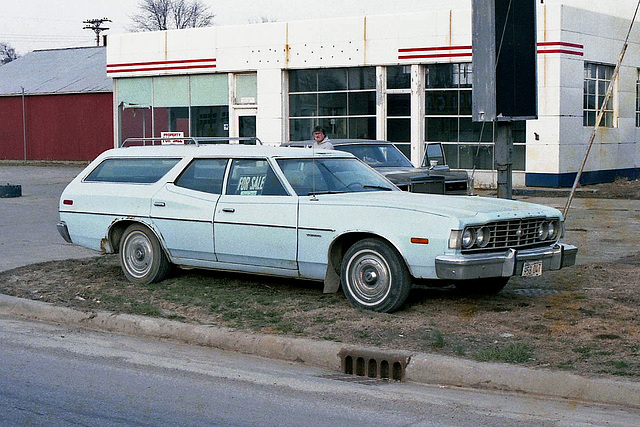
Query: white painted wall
x=556, y=142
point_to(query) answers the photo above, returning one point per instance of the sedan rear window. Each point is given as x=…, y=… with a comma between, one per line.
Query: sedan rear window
x=132, y=170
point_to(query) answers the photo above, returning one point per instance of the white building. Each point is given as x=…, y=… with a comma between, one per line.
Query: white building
x=404, y=78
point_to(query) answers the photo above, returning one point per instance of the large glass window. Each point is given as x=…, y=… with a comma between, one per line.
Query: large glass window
x=210, y=121
x=399, y=107
x=597, y=78
x=196, y=105
x=342, y=100
x=448, y=110
x=209, y=105
x=246, y=89
x=170, y=119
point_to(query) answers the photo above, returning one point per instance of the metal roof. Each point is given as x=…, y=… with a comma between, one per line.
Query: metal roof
x=57, y=71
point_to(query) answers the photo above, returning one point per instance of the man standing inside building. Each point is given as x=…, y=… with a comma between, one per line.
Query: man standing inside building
x=321, y=139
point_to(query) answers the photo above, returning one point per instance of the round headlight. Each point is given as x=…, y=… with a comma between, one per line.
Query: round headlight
x=543, y=230
x=482, y=237
x=468, y=238
x=554, y=227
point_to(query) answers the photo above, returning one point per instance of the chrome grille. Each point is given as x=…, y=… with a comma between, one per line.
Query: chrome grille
x=515, y=233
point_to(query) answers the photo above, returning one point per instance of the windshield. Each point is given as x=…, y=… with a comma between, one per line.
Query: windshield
x=378, y=155
x=318, y=176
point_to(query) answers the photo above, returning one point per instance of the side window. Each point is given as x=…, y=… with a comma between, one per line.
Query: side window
x=250, y=177
x=132, y=170
x=304, y=176
x=203, y=175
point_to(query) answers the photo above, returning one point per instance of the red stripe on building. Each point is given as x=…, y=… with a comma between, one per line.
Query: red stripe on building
x=428, y=49
x=435, y=55
x=185, y=64
x=568, y=52
x=450, y=51
x=185, y=67
x=565, y=44
x=178, y=61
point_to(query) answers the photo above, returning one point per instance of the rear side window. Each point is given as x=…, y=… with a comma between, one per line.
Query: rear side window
x=132, y=170
x=204, y=175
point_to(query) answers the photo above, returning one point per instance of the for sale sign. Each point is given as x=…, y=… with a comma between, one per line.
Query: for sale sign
x=167, y=137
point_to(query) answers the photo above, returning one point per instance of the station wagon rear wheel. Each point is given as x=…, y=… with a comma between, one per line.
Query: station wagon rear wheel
x=374, y=276
x=141, y=256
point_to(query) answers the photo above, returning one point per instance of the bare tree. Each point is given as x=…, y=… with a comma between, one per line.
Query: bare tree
x=262, y=19
x=7, y=53
x=169, y=14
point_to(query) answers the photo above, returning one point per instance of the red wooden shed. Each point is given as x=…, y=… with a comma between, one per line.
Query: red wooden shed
x=56, y=105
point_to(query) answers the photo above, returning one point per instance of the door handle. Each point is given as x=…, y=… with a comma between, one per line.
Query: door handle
x=159, y=204
x=231, y=210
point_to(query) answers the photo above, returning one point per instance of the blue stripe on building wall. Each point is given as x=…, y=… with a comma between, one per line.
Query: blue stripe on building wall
x=587, y=178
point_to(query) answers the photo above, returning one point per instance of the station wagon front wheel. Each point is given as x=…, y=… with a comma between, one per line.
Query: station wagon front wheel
x=374, y=276
x=141, y=256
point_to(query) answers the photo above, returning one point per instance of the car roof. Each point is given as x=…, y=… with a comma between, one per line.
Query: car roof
x=233, y=150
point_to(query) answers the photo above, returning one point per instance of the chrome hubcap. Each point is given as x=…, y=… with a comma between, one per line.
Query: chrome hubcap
x=369, y=277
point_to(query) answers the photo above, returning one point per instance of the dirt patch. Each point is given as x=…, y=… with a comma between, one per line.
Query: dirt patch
x=584, y=319
x=619, y=189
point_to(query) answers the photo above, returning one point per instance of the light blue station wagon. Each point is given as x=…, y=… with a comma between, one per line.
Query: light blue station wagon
x=318, y=215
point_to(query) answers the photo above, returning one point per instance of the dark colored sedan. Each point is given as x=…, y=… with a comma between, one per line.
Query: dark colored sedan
x=434, y=177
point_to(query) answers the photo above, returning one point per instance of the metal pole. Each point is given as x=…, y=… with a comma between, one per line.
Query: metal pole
x=504, y=159
x=24, y=127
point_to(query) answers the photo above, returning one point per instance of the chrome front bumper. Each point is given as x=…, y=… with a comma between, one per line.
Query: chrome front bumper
x=503, y=264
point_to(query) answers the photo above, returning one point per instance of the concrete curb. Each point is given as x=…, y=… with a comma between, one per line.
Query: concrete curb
x=422, y=368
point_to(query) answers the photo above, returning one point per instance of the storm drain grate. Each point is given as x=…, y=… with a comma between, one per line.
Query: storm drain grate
x=375, y=364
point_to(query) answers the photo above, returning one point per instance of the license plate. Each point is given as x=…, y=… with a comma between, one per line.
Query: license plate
x=532, y=269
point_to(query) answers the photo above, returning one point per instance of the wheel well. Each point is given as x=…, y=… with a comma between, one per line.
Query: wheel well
x=117, y=230
x=342, y=244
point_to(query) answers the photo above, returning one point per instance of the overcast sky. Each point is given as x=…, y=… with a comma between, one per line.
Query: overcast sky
x=44, y=24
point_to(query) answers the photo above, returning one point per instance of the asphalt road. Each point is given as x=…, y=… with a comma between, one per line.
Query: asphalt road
x=28, y=232
x=58, y=375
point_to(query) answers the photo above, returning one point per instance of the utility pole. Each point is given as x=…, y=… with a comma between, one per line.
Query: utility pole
x=96, y=26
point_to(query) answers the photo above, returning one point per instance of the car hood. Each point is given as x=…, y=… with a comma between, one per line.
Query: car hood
x=403, y=174
x=469, y=208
